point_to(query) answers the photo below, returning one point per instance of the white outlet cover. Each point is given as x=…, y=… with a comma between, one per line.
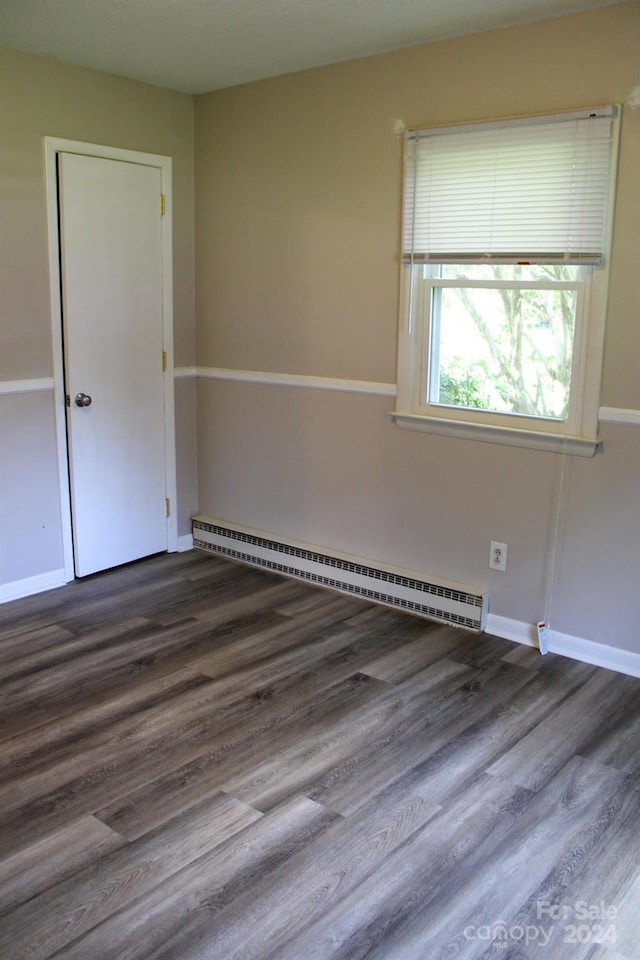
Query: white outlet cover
x=498, y=556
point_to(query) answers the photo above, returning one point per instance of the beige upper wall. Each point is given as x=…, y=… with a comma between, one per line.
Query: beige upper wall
x=41, y=97
x=298, y=186
x=298, y=182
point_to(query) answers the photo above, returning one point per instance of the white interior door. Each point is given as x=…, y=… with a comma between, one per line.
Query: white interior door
x=111, y=271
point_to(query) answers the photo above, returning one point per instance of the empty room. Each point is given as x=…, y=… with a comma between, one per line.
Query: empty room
x=319, y=459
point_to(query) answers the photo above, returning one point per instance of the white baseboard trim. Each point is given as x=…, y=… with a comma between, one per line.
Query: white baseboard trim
x=564, y=644
x=31, y=585
x=56, y=578
x=577, y=648
x=514, y=630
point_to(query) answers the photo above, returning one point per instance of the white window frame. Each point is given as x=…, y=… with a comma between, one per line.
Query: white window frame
x=578, y=434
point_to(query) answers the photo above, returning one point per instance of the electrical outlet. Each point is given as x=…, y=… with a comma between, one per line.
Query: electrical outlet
x=498, y=556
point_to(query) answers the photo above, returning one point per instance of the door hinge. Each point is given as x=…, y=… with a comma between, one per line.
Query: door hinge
x=164, y=359
x=168, y=506
x=163, y=204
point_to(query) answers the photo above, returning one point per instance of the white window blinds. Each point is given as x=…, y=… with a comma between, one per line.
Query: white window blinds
x=522, y=190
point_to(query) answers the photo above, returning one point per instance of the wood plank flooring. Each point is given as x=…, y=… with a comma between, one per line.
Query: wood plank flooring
x=201, y=761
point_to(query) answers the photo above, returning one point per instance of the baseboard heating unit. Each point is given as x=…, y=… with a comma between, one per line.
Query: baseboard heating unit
x=450, y=603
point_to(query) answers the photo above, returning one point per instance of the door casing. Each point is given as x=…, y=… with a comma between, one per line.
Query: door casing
x=52, y=147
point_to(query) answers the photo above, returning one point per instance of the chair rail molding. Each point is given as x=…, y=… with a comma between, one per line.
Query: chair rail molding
x=35, y=385
x=371, y=387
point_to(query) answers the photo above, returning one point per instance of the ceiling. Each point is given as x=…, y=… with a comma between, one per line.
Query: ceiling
x=201, y=45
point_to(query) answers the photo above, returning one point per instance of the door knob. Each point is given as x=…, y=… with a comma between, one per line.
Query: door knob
x=83, y=400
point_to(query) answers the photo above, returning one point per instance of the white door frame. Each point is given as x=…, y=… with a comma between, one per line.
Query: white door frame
x=52, y=147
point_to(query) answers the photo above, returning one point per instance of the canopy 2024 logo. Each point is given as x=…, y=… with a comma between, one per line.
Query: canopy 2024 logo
x=581, y=922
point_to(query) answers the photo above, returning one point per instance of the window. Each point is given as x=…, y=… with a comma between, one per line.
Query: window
x=505, y=265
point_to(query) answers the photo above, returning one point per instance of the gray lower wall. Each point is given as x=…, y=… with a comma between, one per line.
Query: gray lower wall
x=30, y=534
x=331, y=469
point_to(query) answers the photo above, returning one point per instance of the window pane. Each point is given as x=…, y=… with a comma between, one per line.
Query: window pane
x=533, y=272
x=503, y=349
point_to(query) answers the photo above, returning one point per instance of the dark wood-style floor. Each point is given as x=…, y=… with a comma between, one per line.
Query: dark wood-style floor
x=200, y=760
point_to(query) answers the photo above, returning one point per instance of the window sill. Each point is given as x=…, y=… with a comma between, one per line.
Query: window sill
x=490, y=433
